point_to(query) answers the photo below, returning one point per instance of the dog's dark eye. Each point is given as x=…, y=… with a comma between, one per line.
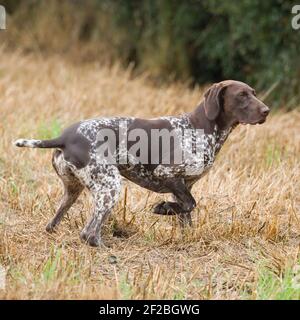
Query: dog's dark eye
x=243, y=94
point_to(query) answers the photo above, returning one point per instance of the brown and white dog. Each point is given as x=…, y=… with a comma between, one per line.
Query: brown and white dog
x=79, y=163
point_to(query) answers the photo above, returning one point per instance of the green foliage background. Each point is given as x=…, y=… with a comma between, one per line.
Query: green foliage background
x=203, y=41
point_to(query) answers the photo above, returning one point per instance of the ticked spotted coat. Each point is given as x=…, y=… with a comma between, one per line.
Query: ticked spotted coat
x=79, y=165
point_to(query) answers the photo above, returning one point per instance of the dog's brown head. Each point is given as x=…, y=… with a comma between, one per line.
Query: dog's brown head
x=235, y=102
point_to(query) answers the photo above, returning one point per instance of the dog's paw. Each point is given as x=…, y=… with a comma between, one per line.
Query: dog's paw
x=164, y=208
x=50, y=227
x=91, y=239
x=160, y=208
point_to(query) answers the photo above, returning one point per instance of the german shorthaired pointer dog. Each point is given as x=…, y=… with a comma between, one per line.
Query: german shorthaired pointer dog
x=78, y=164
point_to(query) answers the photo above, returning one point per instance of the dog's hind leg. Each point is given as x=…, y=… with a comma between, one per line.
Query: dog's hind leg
x=72, y=189
x=104, y=183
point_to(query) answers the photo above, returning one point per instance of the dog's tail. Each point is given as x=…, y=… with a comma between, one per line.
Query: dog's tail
x=54, y=143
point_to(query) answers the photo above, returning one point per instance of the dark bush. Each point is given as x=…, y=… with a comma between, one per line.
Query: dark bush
x=206, y=41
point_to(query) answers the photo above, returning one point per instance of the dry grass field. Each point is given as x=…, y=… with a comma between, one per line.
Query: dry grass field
x=245, y=240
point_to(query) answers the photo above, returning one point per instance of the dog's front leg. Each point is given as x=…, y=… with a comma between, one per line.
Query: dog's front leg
x=183, y=205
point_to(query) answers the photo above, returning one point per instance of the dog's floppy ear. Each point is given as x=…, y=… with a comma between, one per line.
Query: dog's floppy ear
x=212, y=101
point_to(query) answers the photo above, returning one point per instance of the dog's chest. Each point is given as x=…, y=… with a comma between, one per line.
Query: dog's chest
x=199, y=150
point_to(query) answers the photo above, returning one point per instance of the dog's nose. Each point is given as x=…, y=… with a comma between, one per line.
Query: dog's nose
x=265, y=111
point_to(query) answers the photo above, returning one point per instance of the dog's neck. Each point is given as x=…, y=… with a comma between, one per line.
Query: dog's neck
x=199, y=120
x=221, y=126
